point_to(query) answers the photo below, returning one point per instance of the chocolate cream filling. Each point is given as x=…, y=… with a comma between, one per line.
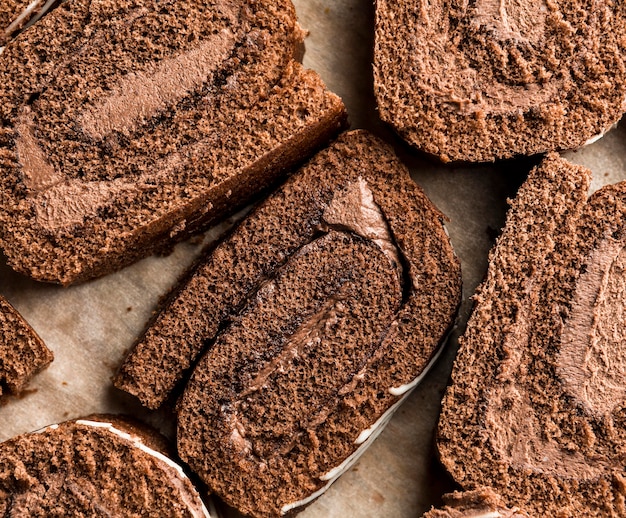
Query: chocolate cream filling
x=469, y=86
x=591, y=366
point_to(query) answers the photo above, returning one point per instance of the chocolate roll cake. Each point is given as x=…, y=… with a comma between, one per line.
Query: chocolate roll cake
x=537, y=404
x=97, y=466
x=477, y=81
x=22, y=353
x=128, y=125
x=321, y=311
x=480, y=503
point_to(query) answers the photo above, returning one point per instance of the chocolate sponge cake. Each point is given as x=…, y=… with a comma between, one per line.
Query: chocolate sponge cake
x=10, y=10
x=96, y=466
x=22, y=353
x=537, y=404
x=15, y=15
x=481, y=80
x=321, y=311
x=128, y=125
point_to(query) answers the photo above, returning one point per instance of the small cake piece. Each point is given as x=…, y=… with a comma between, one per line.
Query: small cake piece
x=333, y=298
x=127, y=126
x=22, y=353
x=482, y=80
x=480, y=503
x=96, y=466
x=537, y=404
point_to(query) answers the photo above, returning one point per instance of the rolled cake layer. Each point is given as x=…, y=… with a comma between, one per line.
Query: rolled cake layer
x=97, y=466
x=22, y=353
x=477, y=81
x=537, y=405
x=332, y=299
x=129, y=125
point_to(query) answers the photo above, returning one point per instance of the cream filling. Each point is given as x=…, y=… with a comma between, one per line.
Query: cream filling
x=141, y=95
x=186, y=489
x=470, y=90
x=60, y=202
x=592, y=359
x=515, y=431
x=355, y=209
x=518, y=20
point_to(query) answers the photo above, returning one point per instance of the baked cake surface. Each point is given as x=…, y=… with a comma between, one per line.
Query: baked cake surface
x=536, y=408
x=477, y=81
x=322, y=309
x=22, y=353
x=128, y=125
x=97, y=466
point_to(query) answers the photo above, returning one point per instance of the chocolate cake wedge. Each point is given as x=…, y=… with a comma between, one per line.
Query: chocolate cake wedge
x=96, y=466
x=22, y=353
x=127, y=126
x=482, y=80
x=321, y=311
x=537, y=404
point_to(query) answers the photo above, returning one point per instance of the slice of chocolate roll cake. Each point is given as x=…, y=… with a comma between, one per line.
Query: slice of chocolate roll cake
x=323, y=308
x=537, y=404
x=96, y=466
x=127, y=125
x=482, y=80
x=22, y=353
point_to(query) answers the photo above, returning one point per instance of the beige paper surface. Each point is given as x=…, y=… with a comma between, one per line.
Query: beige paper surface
x=90, y=327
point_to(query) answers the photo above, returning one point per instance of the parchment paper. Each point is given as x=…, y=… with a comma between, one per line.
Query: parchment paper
x=90, y=327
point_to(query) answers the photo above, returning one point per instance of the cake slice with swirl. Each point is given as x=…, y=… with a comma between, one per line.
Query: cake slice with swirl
x=129, y=125
x=537, y=405
x=486, y=79
x=321, y=311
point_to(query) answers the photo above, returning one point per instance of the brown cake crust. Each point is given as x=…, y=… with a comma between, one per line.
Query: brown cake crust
x=478, y=81
x=536, y=407
x=83, y=468
x=22, y=353
x=348, y=255
x=129, y=125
